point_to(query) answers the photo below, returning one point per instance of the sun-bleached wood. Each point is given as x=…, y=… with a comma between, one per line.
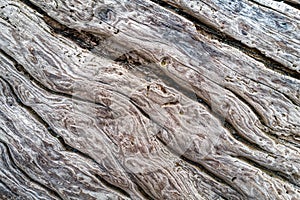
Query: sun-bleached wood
x=154, y=110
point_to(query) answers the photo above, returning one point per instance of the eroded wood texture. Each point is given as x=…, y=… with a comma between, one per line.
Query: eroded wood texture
x=118, y=99
x=271, y=27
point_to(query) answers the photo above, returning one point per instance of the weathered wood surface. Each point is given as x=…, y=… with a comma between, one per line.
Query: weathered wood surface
x=271, y=27
x=119, y=99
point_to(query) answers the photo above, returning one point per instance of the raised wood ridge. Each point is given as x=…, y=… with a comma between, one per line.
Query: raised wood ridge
x=148, y=99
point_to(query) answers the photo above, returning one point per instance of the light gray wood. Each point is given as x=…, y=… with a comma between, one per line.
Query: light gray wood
x=271, y=27
x=154, y=109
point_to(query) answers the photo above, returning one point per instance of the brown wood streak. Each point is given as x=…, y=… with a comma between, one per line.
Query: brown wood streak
x=116, y=135
x=283, y=84
x=258, y=75
x=94, y=151
x=42, y=157
x=15, y=181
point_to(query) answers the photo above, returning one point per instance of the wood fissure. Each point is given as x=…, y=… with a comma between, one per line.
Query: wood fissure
x=21, y=69
x=88, y=40
x=228, y=38
x=272, y=173
x=147, y=99
x=26, y=175
x=46, y=125
x=293, y=3
x=200, y=167
x=82, y=38
x=213, y=33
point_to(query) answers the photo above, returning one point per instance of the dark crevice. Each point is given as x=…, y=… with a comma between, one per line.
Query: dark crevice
x=270, y=172
x=269, y=86
x=294, y=5
x=267, y=7
x=133, y=178
x=175, y=153
x=131, y=60
x=67, y=32
x=228, y=126
x=22, y=70
x=84, y=39
x=112, y=187
x=255, y=164
x=63, y=143
x=200, y=168
x=139, y=108
x=212, y=175
x=8, y=188
x=214, y=33
x=49, y=129
x=137, y=63
x=194, y=97
x=263, y=122
x=54, y=134
x=51, y=191
x=45, y=124
x=66, y=146
x=127, y=60
x=239, y=137
x=254, y=110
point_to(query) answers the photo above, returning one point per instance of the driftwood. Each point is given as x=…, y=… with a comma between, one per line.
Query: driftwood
x=143, y=99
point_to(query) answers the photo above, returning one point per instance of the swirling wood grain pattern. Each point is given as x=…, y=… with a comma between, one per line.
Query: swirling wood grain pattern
x=141, y=105
x=268, y=26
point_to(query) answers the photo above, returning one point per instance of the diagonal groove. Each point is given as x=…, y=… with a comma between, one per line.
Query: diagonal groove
x=256, y=112
x=191, y=95
x=140, y=189
x=207, y=29
x=181, y=156
x=62, y=94
x=45, y=124
x=235, y=133
x=111, y=186
x=256, y=54
x=270, y=172
x=51, y=191
x=200, y=168
x=239, y=137
x=52, y=132
x=133, y=178
x=84, y=39
x=227, y=125
x=262, y=120
x=8, y=188
x=230, y=128
x=64, y=144
x=21, y=69
x=267, y=7
x=260, y=117
x=221, y=38
x=294, y=5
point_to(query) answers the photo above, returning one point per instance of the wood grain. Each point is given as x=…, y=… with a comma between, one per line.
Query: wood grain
x=268, y=26
x=154, y=109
